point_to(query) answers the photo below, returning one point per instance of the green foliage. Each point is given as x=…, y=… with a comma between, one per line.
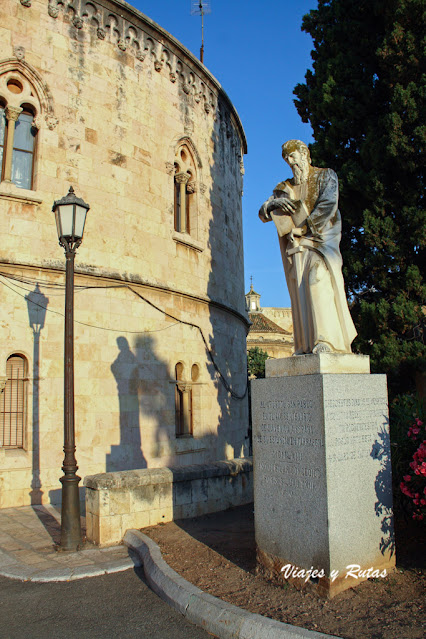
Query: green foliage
x=365, y=102
x=256, y=359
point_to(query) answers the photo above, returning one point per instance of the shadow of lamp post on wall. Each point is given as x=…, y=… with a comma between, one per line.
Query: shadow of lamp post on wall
x=37, y=306
x=70, y=215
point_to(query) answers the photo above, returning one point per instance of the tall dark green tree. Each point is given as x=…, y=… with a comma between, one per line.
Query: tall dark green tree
x=365, y=100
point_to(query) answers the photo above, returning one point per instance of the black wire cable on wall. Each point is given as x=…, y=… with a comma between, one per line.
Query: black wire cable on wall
x=31, y=282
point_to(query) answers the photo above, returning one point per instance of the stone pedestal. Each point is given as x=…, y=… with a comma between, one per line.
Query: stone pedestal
x=322, y=471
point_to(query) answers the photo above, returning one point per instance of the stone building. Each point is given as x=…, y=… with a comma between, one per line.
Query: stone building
x=97, y=96
x=271, y=328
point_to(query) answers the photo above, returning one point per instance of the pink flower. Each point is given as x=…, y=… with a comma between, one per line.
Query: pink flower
x=407, y=478
x=418, y=421
x=405, y=490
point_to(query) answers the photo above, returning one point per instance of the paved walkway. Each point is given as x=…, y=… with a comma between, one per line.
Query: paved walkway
x=29, y=537
x=28, y=540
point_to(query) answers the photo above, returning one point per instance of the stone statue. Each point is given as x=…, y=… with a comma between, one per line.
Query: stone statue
x=306, y=215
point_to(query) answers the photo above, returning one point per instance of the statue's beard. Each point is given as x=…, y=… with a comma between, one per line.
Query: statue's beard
x=300, y=173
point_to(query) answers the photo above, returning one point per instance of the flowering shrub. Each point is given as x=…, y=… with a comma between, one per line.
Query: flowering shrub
x=413, y=484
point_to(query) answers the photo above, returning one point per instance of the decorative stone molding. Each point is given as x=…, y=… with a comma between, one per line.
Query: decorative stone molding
x=19, y=52
x=170, y=168
x=26, y=3
x=37, y=122
x=3, y=382
x=78, y=22
x=182, y=178
x=12, y=113
x=53, y=11
x=127, y=29
x=34, y=90
x=51, y=122
x=184, y=387
x=191, y=187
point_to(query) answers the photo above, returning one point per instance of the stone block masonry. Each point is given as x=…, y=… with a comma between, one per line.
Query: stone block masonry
x=116, y=502
x=322, y=493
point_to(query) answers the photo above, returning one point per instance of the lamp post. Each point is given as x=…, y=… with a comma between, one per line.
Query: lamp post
x=70, y=215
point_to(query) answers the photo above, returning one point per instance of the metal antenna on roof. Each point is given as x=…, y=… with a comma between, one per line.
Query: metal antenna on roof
x=201, y=8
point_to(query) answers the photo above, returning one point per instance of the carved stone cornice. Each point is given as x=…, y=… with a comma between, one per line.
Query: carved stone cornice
x=129, y=30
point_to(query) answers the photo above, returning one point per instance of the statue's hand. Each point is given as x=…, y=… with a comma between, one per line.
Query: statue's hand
x=281, y=204
x=263, y=213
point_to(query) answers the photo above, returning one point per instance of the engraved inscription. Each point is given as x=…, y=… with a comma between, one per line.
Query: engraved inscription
x=286, y=434
x=356, y=422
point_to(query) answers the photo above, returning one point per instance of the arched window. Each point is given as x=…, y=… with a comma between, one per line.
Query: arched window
x=13, y=403
x=19, y=107
x=2, y=134
x=183, y=403
x=184, y=191
x=23, y=151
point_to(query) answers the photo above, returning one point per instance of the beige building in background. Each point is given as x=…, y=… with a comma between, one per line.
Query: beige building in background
x=271, y=328
x=97, y=96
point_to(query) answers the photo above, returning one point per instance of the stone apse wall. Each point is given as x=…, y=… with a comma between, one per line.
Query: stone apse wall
x=121, y=110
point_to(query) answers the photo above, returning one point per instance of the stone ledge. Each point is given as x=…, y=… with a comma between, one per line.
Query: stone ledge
x=187, y=240
x=10, y=191
x=318, y=364
x=118, y=501
x=172, y=474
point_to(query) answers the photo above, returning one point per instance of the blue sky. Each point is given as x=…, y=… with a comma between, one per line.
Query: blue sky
x=258, y=53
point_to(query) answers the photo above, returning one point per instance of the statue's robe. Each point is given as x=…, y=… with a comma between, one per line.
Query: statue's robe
x=313, y=266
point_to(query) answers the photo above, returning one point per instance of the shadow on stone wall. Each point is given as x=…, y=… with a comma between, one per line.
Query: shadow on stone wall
x=383, y=486
x=37, y=304
x=128, y=370
x=227, y=338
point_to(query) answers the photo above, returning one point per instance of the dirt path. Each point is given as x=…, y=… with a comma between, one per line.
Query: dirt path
x=217, y=554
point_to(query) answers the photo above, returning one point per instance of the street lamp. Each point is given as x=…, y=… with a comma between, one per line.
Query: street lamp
x=70, y=215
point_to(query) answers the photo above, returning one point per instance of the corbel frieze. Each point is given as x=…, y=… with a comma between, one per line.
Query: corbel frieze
x=130, y=34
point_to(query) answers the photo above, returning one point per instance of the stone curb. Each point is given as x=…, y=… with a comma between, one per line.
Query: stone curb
x=222, y=619
x=22, y=572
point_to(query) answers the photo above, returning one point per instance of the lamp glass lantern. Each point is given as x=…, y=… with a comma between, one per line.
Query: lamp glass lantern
x=70, y=215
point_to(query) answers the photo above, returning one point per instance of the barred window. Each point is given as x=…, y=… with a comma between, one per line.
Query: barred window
x=13, y=403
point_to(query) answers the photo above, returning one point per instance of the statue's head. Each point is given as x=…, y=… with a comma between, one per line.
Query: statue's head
x=297, y=156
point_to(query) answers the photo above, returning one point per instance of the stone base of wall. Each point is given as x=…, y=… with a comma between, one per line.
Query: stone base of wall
x=118, y=501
